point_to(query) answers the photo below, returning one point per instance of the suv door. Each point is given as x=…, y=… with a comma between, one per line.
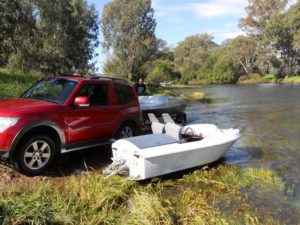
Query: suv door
x=92, y=122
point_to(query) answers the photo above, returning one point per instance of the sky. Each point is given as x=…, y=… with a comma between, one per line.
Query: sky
x=178, y=19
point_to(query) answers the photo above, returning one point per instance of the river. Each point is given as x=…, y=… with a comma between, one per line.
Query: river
x=269, y=117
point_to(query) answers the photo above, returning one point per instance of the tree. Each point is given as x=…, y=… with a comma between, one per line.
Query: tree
x=68, y=32
x=282, y=33
x=163, y=70
x=17, y=25
x=259, y=13
x=191, y=53
x=220, y=67
x=128, y=28
x=244, y=50
x=49, y=36
x=113, y=65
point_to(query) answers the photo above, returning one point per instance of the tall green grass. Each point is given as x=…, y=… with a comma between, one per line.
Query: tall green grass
x=293, y=79
x=213, y=196
x=14, y=83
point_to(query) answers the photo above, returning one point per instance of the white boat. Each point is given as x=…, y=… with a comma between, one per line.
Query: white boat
x=177, y=149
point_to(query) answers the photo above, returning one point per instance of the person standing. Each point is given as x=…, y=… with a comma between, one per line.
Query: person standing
x=140, y=87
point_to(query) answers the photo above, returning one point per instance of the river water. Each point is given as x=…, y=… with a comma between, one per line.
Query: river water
x=269, y=117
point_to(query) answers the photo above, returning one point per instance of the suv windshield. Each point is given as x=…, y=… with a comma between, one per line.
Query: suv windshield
x=53, y=90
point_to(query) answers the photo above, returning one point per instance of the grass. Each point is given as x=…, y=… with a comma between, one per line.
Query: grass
x=14, y=83
x=169, y=91
x=205, y=196
x=268, y=78
x=196, y=96
x=294, y=79
x=256, y=79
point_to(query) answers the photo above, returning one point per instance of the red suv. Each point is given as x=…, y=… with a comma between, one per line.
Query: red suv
x=65, y=114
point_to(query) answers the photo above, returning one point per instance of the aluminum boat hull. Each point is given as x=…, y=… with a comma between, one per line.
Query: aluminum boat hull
x=161, y=104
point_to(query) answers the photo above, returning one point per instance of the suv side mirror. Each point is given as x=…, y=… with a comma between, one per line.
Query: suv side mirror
x=82, y=101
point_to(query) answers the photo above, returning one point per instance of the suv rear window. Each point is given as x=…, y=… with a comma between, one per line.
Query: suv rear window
x=124, y=93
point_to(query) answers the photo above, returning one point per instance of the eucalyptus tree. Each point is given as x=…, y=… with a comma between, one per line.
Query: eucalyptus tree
x=283, y=33
x=259, y=13
x=68, y=35
x=221, y=66
x=128, y=28
x=17, y=26
x=49, y=36
x=190, y=54
x=243, y=48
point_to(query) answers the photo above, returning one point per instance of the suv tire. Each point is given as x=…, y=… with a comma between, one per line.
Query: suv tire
x=35, y=155
x=125, y=131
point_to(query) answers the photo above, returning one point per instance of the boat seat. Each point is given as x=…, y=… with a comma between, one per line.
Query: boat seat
x=167, y=118
x=173, y=130
x=157, y=127
x=152, y=117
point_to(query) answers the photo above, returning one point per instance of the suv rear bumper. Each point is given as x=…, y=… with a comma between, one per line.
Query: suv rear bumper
x=4, y=155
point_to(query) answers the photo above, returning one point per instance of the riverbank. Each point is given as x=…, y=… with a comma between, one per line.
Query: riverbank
x=215, y=195
x=270, y=78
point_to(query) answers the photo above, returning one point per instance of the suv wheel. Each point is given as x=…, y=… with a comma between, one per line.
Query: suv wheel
x=36, y=155
x=125, y=131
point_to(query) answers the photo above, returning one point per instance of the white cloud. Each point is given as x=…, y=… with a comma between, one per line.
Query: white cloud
x=210, y=8
x=215, y=8
x=228, y=31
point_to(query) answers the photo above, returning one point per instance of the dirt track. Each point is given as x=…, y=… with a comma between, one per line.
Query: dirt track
x=68, y=164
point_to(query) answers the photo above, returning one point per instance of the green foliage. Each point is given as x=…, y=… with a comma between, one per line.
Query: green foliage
x=128, y=29
x=270, y=78
x=256, y=78
x=219, y=67
x=282, y=33
x=196, y=96
x=87, y=200
x=187, y=76
x=163, y=70
x=259, y=14
x=17, y=25
x=292, y=79
x=49, y=36
x=147, y=207
x=14, y=83
x=191, y=53
x=243, y=51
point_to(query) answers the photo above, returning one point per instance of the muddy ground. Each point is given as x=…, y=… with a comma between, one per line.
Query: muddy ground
x=94, y=159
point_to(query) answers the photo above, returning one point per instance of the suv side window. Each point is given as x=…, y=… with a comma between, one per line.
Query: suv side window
x=97, y=93
x=124, y=93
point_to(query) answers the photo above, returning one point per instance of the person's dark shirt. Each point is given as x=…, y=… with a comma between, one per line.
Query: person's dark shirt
x=140, y=88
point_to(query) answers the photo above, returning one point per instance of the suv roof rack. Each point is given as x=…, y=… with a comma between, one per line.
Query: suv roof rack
x=111, y=78
x=70, y=75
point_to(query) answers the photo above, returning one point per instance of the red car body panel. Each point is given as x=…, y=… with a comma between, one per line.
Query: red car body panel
x=73, y=124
